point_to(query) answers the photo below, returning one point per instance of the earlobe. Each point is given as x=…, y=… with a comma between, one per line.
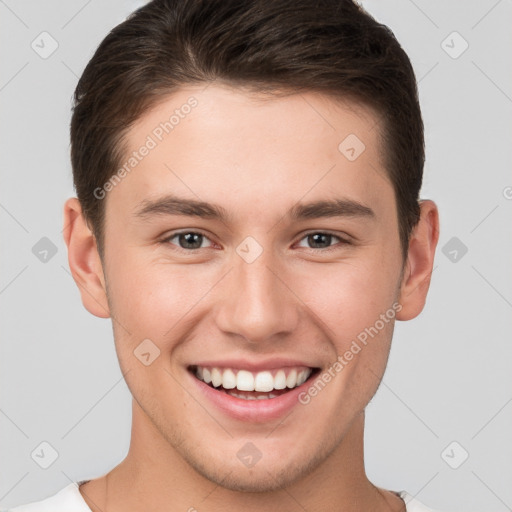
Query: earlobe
x=420, y=261
x=84, y=260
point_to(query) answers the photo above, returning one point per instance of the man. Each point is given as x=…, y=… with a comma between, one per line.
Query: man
x=248, y=215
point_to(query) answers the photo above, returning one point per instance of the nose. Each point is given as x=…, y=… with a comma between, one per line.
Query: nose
x=257, y=302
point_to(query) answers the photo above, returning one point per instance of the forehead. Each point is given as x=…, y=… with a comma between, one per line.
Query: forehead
x=224, y=144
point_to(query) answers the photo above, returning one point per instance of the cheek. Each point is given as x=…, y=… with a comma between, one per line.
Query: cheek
x=153, y=298
x=357, y=304
x=348, y=296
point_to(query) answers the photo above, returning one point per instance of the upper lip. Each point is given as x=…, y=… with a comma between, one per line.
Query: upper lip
x=253, y=366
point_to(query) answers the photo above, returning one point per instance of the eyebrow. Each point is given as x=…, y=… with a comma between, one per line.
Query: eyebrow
x=173, y=205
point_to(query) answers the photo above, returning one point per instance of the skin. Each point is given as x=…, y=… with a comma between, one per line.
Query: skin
x=256, y=157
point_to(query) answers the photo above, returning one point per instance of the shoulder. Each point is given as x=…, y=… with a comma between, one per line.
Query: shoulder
x=67, y=499
x=412, y=504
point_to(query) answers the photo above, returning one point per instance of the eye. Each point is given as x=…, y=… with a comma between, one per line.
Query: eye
x=188, y=240
x=321, y=240
x=194, y=240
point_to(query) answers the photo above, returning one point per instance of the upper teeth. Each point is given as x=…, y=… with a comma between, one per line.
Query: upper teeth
x=244, y=380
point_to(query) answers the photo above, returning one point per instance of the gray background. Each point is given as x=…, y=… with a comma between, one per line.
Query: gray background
x=449, y=372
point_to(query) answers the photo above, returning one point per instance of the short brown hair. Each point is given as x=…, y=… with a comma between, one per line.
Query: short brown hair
x=329, y=46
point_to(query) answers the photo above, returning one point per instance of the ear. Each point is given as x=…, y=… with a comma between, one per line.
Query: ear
x=420, y=260
x=84, y=260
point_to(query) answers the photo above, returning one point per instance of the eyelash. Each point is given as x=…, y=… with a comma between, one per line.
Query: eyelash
x=342, y=241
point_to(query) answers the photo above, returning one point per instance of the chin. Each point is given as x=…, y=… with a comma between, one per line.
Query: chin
x=261, y=480
x=267, y=474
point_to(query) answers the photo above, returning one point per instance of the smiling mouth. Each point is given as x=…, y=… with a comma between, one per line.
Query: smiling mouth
x=249, y=385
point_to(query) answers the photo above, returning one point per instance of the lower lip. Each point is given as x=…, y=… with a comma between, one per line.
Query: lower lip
x=256, y=411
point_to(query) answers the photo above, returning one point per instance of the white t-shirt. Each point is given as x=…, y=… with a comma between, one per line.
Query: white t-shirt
x=69, y=499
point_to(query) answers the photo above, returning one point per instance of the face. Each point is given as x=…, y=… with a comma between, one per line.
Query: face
x=286, y=278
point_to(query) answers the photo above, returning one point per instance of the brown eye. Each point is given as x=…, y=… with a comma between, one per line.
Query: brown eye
x=320, y=240
x=188, y=240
